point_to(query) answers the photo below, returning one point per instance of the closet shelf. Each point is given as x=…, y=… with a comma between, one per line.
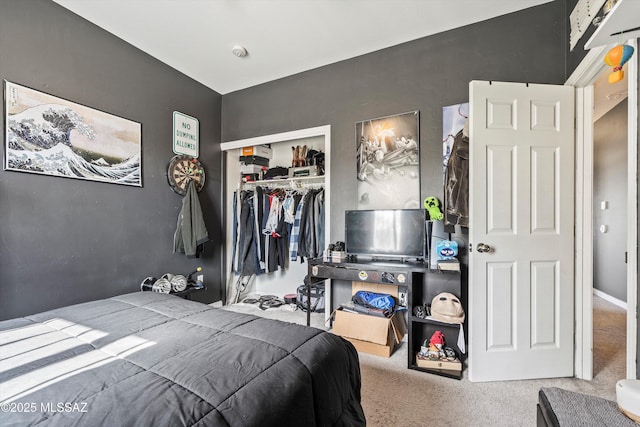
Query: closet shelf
x=319, y=179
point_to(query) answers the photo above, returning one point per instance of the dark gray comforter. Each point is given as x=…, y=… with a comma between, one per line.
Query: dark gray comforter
x=149, y=359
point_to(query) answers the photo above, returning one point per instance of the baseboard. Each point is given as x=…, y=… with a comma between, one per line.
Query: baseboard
x=612, y=300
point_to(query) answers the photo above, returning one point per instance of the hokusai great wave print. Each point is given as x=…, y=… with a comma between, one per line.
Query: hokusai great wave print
x=48, y=135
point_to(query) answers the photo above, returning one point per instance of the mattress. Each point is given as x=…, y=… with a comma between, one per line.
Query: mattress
x=153, y=359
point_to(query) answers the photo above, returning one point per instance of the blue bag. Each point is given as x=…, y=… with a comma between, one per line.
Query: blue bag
x=374, y=300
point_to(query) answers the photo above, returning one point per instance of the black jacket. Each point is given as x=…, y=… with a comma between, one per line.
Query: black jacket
x=456, y=183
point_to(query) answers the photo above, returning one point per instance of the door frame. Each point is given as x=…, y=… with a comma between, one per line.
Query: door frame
x=324, y=132
x=582, y=79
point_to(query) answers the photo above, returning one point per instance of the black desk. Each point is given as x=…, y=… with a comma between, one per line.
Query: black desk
x=421, y=284
x=401, y=274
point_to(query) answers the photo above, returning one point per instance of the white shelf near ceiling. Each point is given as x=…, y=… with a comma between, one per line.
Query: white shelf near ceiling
x=620, y=24
x=581, y=17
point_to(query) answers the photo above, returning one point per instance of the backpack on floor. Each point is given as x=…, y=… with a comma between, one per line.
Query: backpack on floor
x=317, y=297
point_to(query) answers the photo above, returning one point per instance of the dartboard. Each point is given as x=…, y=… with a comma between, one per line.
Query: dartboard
x=183, y=169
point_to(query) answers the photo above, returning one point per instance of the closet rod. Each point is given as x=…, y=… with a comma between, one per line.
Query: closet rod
x=295, y=185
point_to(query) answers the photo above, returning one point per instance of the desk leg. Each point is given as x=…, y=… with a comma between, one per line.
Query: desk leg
x=309, y=302
x=327, y=301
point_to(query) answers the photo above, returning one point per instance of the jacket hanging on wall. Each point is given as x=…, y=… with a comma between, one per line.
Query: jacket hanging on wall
x=191, y=232
x=456, y=190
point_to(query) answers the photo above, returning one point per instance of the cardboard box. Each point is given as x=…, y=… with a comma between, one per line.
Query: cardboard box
x=425, y=362
x=257, y=150
x=370, y=334
x=338, y=256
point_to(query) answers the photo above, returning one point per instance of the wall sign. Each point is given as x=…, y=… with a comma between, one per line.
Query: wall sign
x=185, y=134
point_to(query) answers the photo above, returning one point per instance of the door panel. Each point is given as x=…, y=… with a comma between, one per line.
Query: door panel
x=544, y=304
x=544, y=192
x=501, y=294
x=501, y=197
x=521, y=205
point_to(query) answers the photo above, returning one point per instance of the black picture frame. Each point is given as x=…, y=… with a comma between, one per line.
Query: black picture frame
x=388, y=162
x=49, y=135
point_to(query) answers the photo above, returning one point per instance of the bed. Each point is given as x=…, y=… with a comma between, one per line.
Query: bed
x=153, y=359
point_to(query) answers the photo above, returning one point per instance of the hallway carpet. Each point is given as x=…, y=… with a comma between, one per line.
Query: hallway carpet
x=392, y=395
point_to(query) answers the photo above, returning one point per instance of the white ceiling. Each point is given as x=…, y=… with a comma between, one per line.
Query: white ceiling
x=283, y=37
x=607, y=95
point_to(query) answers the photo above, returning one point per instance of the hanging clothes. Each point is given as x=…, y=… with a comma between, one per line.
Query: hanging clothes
x=248, y=262
x=278, y=246
x=311, y=238
x=456, y=187
x=295, y=230
x=267, y=224
x=234, y=255
x=191, y=231
x=304, y=237
x=318, y=223
x=259, y=207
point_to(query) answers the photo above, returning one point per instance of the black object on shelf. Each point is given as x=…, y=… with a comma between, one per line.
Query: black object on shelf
x=190, y=290
x=421, y=329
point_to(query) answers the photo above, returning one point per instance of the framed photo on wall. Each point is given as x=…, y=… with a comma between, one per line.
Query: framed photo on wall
x=388, y=162
x=48, y=135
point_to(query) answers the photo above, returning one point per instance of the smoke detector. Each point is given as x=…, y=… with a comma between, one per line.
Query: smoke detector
x=616, y=95
x=239, y=51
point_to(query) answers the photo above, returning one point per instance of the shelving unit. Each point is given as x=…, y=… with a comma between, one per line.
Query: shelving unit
x=421, y=284
x=419, y=329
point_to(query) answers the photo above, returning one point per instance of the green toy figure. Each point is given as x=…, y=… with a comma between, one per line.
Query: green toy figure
x=432, y=205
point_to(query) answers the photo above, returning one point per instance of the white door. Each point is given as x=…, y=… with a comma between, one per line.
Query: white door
x=521, y=231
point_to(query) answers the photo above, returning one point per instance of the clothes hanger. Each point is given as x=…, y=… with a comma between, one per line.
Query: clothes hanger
x=465, y=128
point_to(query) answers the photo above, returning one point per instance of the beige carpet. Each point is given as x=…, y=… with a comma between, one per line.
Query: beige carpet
x=287, y=313
x=393, y=395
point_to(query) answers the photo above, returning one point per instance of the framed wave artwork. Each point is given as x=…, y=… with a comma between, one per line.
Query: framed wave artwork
x=48, y=135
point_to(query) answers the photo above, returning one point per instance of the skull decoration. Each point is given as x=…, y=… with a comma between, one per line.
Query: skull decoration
x=446, y=307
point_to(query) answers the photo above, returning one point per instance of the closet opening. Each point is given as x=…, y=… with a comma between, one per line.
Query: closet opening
x=279, y=274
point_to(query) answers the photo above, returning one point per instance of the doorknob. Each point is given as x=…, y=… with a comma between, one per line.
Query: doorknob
x=482, y=247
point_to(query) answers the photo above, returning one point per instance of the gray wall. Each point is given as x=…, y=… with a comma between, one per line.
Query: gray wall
x=610, y=184
x=64, y=241
x=425, y=74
